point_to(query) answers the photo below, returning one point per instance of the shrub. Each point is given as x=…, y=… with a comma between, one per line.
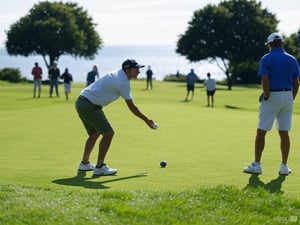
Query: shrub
x=174, y=77
x=180, y=78
x=11, y=74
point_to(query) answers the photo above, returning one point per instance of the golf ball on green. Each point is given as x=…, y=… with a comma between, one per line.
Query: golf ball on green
x=163, y=163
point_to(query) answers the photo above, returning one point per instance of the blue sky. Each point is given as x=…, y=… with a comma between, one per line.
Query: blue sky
x=146, y=22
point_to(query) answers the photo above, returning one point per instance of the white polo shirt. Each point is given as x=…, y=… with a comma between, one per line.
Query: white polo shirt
x=108, y=89
x=210, y=84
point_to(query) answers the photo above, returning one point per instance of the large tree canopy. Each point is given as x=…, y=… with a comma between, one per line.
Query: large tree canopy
x=230, y=33
x=54, y=29
x=292, y=44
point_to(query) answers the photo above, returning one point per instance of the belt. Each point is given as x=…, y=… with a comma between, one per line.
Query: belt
x=281, y=89
x=86, y=99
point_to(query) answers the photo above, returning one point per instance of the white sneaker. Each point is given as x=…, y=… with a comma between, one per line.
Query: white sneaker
x=86, y=167
x=253, y=168
x=104, y=171
x=284, y=169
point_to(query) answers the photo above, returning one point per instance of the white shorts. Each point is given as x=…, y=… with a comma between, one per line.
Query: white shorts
x=67, y=87
x=279, y=106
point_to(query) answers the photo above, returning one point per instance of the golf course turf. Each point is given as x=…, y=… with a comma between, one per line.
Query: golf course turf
x=206, y=149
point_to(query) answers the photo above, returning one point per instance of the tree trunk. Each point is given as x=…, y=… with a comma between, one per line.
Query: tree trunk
x=229, y=80
x=225, y=69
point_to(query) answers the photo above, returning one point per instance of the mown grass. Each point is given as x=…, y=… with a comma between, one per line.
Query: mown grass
x=206, y=149
x=211, y=205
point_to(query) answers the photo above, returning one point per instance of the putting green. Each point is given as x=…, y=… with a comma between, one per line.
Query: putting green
x=42, y=140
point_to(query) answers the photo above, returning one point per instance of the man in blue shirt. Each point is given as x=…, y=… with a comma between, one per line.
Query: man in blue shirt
x=279, y=72
x=191, y=79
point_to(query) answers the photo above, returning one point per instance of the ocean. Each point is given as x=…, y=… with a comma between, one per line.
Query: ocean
x=162, y=59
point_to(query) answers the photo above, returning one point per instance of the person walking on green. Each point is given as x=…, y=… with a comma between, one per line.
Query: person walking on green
x=54, y=75
x=210, y=85
x=191, y=79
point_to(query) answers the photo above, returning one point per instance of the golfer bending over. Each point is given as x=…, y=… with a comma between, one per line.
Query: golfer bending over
x=89, y=107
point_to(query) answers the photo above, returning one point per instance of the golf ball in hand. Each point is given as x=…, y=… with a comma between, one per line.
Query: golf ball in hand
x=155, y=126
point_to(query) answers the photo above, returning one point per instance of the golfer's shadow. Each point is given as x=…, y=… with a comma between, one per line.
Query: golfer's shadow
x=273, y=186
x=89, y=182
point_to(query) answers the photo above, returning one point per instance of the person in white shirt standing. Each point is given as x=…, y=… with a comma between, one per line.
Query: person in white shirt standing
x=89, y=107
x=210, y=85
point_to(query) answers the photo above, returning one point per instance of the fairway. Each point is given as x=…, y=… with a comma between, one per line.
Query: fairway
x=42, y=141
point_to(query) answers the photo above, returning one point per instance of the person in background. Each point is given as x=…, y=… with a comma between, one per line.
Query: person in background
x=210, y=85
x=37, y=73
x=89, y=108
x=54, y=74
x=279, y=72
x=92, y=75
x=68, y=79
x=177, y=74
x=191, y=79
x=149, y=75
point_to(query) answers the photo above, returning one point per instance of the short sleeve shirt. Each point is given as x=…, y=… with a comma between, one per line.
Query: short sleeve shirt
x=210, y=84
x=281, y=67
x=37, y=72
x=191, y=78
x=108, y=89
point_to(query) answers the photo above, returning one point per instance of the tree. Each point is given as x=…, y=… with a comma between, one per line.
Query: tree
x=228, y=34
x=292, y=44
x=54, y=29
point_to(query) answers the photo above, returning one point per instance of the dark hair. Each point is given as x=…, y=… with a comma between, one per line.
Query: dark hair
x=276, y=43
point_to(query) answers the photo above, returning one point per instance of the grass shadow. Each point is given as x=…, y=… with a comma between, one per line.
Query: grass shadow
x=232, y=107
x=185, y=101
x=273, y=186
x=88, y=182
x=26, y=99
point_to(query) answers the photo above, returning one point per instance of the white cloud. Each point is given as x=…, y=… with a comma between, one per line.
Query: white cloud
x=287, y=12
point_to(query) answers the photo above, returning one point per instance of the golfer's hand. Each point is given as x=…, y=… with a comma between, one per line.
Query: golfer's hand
x=262, y=97
x=150, y=123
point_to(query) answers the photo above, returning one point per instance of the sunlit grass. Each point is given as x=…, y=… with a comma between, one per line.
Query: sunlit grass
x=206, y=150
x=213, y=205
